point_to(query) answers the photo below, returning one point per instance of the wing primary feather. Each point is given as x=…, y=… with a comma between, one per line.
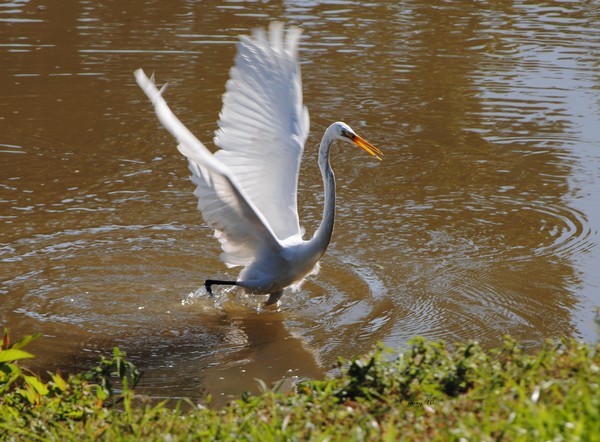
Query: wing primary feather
x=263, y=125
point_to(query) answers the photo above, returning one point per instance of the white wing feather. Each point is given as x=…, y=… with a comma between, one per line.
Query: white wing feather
x=240, y=227
x=263, y=125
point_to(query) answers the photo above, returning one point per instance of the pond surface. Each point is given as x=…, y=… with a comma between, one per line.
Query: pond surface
x=481, y=221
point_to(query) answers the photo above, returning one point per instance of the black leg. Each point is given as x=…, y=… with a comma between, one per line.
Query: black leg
x=274, y=297
x=209, y=283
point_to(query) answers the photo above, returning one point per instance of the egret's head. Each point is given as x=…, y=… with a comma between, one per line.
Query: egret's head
x=345, y=133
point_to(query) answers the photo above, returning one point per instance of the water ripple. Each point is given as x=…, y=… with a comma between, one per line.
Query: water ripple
x=569, y=229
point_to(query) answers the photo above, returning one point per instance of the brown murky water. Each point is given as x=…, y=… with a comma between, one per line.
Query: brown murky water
x=482, y=219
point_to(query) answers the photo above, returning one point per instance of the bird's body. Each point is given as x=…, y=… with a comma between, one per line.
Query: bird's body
x=247, y=190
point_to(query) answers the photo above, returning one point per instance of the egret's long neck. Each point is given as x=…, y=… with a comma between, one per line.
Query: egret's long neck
x=321, y=239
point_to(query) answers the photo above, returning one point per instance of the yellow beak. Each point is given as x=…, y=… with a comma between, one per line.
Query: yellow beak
x=367, y=147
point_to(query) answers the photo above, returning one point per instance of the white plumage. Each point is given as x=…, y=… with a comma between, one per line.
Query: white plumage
x=247, y=190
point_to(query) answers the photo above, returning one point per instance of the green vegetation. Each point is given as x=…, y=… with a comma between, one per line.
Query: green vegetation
x=428, y=392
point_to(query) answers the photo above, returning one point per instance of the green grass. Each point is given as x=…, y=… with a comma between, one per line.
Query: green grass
x=428, y=392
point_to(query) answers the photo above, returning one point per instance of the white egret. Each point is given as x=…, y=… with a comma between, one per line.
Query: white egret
x=247, y=190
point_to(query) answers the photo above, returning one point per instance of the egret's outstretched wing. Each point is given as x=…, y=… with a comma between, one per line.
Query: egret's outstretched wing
x=239, y=226
x=263, y=125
